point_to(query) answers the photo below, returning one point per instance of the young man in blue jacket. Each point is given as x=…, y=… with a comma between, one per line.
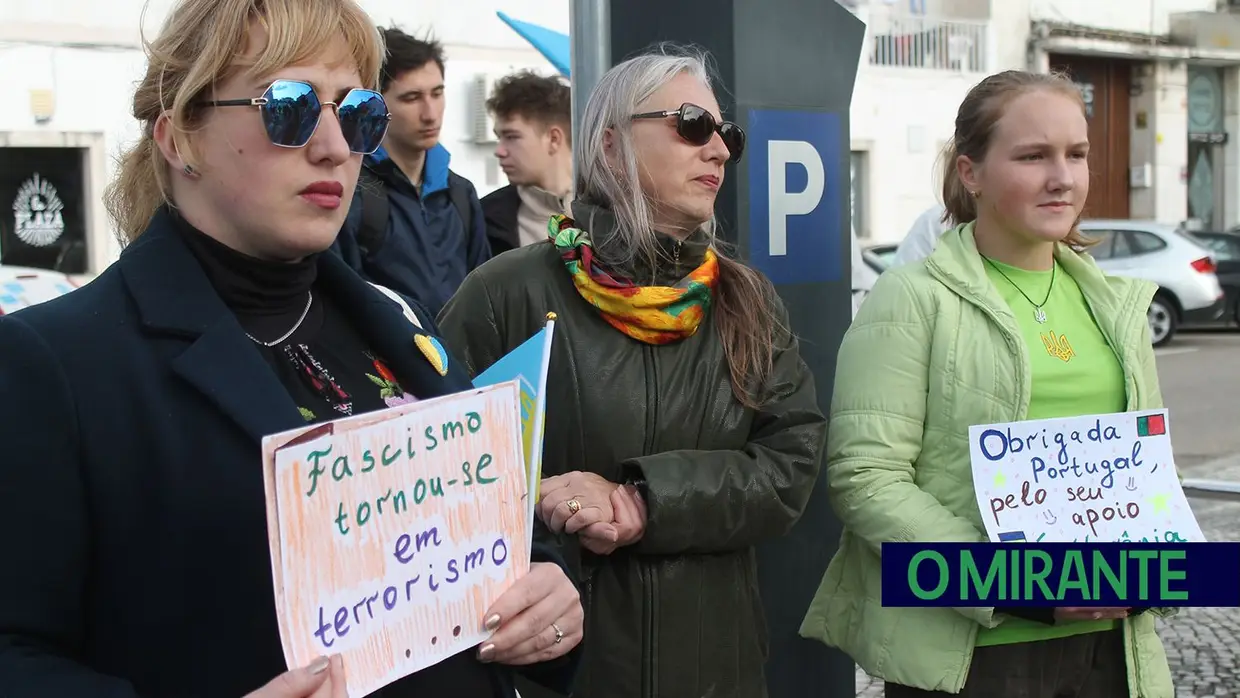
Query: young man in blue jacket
x=414, y=225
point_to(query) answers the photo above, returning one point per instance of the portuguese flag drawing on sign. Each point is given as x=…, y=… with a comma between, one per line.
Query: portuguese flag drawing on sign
x=1151, y=425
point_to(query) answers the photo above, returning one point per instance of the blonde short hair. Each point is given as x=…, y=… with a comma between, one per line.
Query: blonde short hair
x=198, y=47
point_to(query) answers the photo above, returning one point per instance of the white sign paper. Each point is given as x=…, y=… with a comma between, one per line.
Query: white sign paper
x=1099, y=478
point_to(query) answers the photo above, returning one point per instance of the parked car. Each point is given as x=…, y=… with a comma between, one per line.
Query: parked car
x=23, y=286
x=1185, y=271
x=1226, y=250
x=880, y=255
x=867, y=265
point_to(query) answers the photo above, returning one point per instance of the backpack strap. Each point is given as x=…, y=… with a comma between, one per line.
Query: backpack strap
x=375, y=210
x=458, y=192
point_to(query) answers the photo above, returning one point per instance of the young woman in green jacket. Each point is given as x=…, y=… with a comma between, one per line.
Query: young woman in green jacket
x=1009, y=319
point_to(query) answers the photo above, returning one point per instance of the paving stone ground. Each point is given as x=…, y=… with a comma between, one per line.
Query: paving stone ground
x=1203, y=644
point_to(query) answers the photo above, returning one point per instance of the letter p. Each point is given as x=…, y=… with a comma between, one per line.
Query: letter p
x=784, y=203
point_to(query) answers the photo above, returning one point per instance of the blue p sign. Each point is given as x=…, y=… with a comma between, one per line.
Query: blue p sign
x=794, y=195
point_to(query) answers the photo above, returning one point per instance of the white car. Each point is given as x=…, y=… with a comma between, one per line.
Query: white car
x=21, y=287
x=1188, y=287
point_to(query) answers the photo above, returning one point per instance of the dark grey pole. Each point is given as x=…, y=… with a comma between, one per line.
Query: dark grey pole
x=590, y=40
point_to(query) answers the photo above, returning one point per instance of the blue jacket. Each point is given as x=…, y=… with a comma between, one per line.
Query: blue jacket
x=427, y=251
x=135, y=552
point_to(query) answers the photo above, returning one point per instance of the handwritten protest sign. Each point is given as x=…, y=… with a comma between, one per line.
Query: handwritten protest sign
x=1097, y=478
x=392, y=532
x=528, y=365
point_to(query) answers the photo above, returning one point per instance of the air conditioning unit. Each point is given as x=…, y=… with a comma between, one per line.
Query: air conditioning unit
x=483, y=122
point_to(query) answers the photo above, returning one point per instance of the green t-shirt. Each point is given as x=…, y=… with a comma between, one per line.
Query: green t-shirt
x=1075, y=372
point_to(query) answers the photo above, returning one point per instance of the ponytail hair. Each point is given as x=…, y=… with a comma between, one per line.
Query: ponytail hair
x=975, y=124
x=959, y=204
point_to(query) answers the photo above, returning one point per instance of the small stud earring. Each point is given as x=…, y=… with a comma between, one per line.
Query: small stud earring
x=976, y=194
x=189, y=170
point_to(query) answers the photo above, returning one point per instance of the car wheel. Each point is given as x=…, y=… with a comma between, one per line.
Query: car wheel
x=1162, y=319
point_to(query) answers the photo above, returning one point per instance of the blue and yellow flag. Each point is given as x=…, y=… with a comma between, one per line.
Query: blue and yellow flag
x=527, y=365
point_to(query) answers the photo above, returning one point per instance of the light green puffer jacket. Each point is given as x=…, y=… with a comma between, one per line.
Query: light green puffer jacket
x=934, y=350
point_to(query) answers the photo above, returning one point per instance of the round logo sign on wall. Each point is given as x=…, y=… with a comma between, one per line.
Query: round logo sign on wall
x=1205, y=99
x=37, y=213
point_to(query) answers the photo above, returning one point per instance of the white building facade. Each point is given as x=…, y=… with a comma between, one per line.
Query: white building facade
x=68, y=69
x=1161, y=79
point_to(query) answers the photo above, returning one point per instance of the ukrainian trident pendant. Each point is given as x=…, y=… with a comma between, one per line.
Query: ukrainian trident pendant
x=1039, y=315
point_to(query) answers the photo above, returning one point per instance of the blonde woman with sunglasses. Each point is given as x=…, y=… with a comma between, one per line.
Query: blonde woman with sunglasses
x=131, y=489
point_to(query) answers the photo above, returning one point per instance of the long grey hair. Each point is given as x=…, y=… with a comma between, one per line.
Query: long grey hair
x=746, y=311
x=619, y=94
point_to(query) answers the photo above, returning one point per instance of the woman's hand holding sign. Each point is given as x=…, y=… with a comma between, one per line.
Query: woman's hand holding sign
x=322, y=678
x=1090, y=613
x=538, y=619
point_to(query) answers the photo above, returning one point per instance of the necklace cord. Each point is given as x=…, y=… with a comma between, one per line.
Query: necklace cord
x=1020, y=290
x=296, y=325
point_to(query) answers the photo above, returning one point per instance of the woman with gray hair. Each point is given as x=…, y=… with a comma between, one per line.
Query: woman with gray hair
x=683, y=428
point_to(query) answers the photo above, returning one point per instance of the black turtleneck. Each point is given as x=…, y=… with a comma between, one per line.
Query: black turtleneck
x=328, y=370
x=267, y=297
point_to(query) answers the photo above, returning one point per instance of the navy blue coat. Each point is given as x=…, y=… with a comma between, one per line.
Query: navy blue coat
x=134, y=558
x=428, y=249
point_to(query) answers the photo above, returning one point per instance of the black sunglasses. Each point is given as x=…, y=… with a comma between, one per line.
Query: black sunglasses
x=698, y=126
x=291, y=112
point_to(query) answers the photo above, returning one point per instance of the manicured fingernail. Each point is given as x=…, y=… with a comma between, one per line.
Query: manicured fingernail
x=319, y=665
x=492, y=623
x=485, y=653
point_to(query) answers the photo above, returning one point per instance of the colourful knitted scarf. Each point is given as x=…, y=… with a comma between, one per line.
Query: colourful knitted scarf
x=650, y=314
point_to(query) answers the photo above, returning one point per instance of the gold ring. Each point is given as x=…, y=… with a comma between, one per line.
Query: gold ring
x=559, y=634
x=574, y=506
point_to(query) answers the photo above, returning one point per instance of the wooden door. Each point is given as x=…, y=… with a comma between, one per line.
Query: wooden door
x=1104, y=86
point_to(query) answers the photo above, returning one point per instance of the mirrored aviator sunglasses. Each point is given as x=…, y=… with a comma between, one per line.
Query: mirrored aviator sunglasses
x=291, y=112
x=697, y=126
